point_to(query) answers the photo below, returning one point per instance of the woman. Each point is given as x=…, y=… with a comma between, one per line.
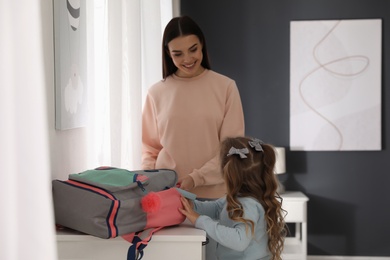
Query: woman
x=189, y=112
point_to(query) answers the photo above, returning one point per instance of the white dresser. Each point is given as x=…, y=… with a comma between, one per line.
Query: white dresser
x=179, y=242
x=295, y=203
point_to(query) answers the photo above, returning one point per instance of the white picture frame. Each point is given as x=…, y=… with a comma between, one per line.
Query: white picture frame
x=335, y=85
x=70, y=45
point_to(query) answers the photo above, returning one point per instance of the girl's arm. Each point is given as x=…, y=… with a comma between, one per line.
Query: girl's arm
x=193, y=209
x=233, y=236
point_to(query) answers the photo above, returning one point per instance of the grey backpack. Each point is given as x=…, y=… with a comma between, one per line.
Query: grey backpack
x=107, y=202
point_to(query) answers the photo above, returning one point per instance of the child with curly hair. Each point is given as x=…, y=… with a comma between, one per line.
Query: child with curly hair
x=247, y=223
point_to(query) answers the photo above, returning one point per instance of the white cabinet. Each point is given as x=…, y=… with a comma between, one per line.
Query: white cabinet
x=295, y=203
x=176, y=243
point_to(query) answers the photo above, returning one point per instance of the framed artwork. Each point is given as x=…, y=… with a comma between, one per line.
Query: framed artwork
x=335, y=85
x=70, y=45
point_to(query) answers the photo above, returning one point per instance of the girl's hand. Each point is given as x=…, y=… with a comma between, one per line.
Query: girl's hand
x=187, y=183
x=188, y=210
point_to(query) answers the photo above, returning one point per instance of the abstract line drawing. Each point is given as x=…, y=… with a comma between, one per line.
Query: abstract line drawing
x=70, y=63
x=335, y=85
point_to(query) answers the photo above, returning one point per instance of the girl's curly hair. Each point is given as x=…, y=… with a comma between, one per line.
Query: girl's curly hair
x=254, y=177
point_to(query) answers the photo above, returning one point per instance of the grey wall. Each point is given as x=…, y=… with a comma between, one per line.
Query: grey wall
x=248, y=40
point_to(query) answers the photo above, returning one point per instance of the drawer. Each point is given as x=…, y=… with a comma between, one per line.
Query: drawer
x=296, y=211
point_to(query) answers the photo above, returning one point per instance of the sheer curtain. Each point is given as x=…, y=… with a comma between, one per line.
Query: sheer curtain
x=127, y=61
x=120, y=29
x=26, y=219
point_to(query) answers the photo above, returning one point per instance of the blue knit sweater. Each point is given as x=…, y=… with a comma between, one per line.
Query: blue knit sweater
x=232, y=240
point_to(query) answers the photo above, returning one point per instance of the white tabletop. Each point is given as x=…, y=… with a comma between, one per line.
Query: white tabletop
x=182, y=232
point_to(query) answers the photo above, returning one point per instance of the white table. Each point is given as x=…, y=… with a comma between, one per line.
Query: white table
x=295, y=203
x=178, y=242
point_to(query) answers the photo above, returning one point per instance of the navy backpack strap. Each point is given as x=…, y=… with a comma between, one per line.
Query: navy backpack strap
x=140, y=241
x=132, y=252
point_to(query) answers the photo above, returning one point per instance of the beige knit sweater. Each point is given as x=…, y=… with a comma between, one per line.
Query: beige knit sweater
x=183, y=122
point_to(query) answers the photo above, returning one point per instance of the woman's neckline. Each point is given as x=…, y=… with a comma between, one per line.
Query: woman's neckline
x=192, y=78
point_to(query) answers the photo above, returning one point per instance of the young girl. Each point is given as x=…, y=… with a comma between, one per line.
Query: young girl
x=248, y=222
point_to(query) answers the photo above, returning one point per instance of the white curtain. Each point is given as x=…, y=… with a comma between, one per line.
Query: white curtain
x=127, y=61
x=26, y=218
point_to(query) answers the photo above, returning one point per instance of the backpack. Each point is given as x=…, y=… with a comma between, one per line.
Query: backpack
x=107, y=202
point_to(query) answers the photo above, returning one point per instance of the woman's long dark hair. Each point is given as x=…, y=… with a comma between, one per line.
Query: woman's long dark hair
x=254, y=177
x=181, y=26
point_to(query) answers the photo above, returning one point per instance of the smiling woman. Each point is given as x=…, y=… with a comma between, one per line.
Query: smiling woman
x=186, y=54
x=177, y=132
x=188, y=113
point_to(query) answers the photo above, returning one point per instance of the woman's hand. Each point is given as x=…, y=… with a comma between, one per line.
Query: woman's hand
x=188, y=210
x=187, y=183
